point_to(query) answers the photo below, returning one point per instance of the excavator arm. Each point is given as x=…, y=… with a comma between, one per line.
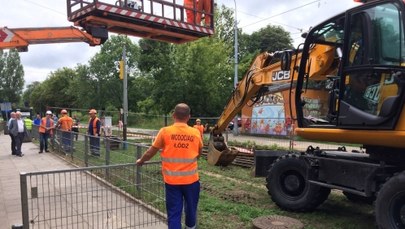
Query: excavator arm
x=260, y=74
x=267, y=73
x=22, y=37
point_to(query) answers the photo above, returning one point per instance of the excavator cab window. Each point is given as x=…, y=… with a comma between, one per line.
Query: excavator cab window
x=373, y=82
x=364, y=87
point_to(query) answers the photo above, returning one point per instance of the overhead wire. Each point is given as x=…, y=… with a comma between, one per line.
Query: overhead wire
x=279, y=14
x=275, y=22
x=45, y=7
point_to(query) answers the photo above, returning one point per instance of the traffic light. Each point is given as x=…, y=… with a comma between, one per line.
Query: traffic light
x=122, y=66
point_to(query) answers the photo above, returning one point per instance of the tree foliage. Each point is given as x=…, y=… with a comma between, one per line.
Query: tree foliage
x=160, y=75
x=11, y=76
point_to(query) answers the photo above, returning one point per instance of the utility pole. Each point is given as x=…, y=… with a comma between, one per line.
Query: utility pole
x=125, y=96
x=235, y=79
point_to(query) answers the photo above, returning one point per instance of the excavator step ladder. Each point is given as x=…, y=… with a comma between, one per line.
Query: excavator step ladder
x=151, y=19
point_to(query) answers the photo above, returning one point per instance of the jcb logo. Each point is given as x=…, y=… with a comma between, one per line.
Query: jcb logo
x=281, y=75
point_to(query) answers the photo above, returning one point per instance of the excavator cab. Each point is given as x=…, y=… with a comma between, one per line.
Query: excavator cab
x=153, y=19
x=368, y=88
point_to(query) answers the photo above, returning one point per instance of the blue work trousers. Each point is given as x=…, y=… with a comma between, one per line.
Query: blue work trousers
x=43, y=141
x=175, y=195
x=67, y=141
x=95, y=145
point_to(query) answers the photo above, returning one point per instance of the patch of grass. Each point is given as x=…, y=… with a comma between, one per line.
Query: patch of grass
x=232, y=198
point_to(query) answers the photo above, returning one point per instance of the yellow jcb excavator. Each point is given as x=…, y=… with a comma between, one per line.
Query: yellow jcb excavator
x=354, y=64
x=269, y=72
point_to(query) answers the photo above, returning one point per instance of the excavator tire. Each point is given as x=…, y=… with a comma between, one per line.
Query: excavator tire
x=288, y=185
x=218, y=153
x=390, y=203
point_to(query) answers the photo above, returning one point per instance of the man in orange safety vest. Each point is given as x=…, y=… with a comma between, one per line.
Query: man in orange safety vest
x=181, y=147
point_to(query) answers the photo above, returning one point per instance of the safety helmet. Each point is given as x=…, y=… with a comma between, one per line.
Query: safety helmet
x=63, y=111
x=198, y=120
x=93, y=111
x=49, y=112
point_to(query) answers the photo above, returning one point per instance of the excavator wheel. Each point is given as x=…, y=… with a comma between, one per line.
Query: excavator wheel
x=218, y=152
x=288, y=185
x=390, y=203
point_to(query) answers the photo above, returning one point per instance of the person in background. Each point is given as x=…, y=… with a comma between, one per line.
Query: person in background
x=94, y=132
x=200, y=127
x=191, y=5
x=37, y=120
x=181, y=147
x=13, y=148
x=204, y=6
x=55, y=119
x=28, y=124
x=75, y=127
x=45, y=131
x=65, y=124
x=18, y=130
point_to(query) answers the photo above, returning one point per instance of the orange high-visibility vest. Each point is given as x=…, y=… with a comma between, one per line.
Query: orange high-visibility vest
x=94, y=125
x=42, y=125
x=200, y=128
x=181, y=144
x=66, y=123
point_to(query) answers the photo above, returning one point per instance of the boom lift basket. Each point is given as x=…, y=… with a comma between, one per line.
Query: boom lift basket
x=152, y=19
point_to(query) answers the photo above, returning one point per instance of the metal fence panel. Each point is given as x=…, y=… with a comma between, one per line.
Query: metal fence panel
x=115, y=196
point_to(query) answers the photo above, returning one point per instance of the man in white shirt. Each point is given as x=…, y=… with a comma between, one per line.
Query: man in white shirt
x=13, y=148
x=17, y=129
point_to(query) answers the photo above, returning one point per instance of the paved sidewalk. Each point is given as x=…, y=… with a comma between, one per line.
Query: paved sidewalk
x=10, y=199
x=10, y=168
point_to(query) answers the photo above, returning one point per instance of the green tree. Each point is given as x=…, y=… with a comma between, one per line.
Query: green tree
x=107, y=87
x=11, y=76
x=270, y=38
x=203, y=76
x=54, y=91
x=157, y=61
x=28, y=91
x=81, y=86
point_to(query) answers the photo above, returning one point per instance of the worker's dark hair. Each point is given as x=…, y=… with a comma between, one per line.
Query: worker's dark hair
x=182, y=111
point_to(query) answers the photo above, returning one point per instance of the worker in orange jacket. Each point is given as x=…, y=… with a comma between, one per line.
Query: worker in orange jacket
x=65, y=124
x=204, y=6
x=200, y=127
x=191, y=6
x=45, y=131
x=181, y=147
x=93, y=131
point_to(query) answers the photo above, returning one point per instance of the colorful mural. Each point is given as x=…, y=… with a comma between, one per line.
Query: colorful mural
x=268, y=117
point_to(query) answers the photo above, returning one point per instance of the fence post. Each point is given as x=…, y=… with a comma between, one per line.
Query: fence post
x=71, y=143
x=59, y=140
x=138, y=178
x=86, y=150
x=107, y=156
x=24, y=200
x=53, y=140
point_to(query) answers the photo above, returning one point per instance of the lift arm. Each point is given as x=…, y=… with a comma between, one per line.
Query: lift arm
x=22, y=37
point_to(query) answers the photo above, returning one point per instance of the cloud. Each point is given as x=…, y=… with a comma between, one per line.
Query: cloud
x=40, y=60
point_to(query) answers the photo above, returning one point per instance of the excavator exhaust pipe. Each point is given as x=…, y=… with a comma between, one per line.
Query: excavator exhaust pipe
x=218, y=152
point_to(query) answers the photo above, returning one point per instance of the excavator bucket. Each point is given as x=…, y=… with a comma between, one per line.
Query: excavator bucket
x=218, y=152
